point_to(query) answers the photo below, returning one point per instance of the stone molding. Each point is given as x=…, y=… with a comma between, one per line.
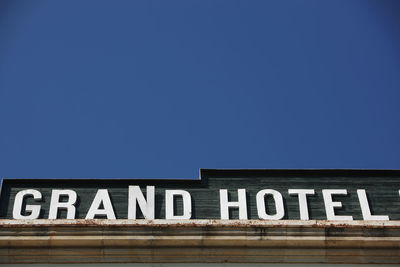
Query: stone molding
x=163, y=241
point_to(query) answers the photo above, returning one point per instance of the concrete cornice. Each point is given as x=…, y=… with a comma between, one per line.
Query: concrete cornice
x=67, y=241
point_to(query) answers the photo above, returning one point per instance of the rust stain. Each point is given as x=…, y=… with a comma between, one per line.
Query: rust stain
x=199, y=223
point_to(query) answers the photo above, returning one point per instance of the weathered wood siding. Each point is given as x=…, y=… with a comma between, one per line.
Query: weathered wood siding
x=382, y=188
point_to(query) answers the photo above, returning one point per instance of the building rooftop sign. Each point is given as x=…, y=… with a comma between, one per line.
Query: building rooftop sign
x=238, y=216
x=336, y=195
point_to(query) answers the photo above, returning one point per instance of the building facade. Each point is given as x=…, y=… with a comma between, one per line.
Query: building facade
x=263, y=217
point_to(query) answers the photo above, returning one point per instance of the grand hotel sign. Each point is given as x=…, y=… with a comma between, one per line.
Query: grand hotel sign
x=344, y=195
x=239, y=216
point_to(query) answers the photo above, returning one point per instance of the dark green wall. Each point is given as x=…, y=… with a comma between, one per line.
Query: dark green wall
x=382, y=189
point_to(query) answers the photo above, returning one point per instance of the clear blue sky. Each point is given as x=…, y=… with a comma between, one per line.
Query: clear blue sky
x=163, y=88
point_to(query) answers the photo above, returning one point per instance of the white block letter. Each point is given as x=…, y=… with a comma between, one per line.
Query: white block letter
x=302, y=195
x=34, y=209
x=262, y=213
x=330, y=205
x=366, y=212
x=55, y=203
x=101, y=197
x=169, y=204
x=145, y=205
x=225, y=204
